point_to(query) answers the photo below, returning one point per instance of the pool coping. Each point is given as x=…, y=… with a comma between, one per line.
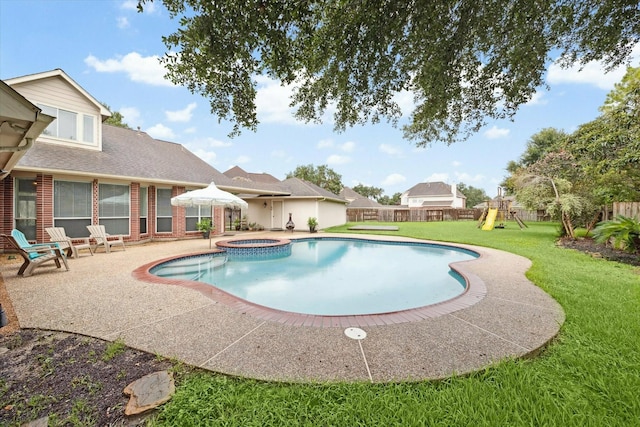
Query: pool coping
x=475, y=291
x=99, y=297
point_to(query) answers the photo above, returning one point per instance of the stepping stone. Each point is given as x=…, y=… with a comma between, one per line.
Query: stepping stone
x=40, y=422
x=149, y=392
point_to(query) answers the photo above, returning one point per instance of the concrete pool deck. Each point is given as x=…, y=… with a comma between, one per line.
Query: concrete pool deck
x=100, y=297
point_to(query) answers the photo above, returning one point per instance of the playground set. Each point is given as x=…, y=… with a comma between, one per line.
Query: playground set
x=498, y=211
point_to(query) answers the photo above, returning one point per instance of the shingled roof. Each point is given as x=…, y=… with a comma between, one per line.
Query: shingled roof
x=128, y=154
x=302, y=188
x=357, y=200
x=238, y=172
x=430, y=189
x=134, y=155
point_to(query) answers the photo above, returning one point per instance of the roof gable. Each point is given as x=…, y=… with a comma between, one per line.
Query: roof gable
x=58, y=73
x=237, y=172
x=430, y=189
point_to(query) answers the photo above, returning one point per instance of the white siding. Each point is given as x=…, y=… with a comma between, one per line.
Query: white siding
x=327, y=213
x=56, y=92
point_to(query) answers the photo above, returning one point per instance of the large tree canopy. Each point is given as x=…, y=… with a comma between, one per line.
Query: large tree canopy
x=463, y=60
x=322, y=176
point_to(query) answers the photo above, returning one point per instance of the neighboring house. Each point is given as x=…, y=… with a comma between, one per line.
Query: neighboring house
x=81, y=172
x=270, y=203
x=435, y=195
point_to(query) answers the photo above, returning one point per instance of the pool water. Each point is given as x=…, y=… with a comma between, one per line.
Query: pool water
x=334, y=276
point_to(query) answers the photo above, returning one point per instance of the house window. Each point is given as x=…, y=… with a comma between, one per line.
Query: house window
x=113, y=208
x=164, y=215
x=69, y=125
x=144, y=209
x=25, y=207
x=87, y=128
x=72, y=207
x=194, y=214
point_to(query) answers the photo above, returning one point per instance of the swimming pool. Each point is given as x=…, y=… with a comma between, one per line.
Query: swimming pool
x=332, y=276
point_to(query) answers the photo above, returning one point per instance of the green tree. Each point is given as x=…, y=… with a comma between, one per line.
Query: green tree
x=608, y=148
x=474, y=195
x=370, y=192
x=540, y=144
x=323, y=176
x=393, y=200
x=116, y=118
x=462, y=60
x=557, y=184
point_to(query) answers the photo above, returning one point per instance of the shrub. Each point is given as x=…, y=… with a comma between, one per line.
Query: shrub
x=624, y=231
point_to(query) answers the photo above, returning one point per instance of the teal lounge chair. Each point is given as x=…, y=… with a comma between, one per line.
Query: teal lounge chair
x=34, y=255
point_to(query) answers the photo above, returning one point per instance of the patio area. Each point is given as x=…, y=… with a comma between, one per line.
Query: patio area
x=100, y=297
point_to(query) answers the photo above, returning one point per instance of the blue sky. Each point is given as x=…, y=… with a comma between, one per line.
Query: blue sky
x=112, y=51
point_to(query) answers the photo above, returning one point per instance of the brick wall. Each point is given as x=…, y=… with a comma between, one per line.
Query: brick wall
x=134, y=204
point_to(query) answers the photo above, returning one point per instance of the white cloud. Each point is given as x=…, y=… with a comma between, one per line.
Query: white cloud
x=210, y=142
x=405, y=101
x=216, y=143
x=129, y=5
x=537, y=99
x=131, y=116
x=390, y=149
x=325, y=143
x=197, y=144
x=272, y=101
x=183, y=115
x=348, y=146
x=242, y=160
x=442, y=176
x=456, y=164
x=138, y=68
x=593, y=73
x=208, y=156
x=122, y=22
x=496, y=132
x=394, y=179
x=282, y=156
x=469, y=179
x=337, y=159
x=160, y=131
x=191, y=130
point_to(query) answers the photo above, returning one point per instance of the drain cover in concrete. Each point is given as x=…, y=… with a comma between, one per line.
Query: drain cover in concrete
x=355, y=333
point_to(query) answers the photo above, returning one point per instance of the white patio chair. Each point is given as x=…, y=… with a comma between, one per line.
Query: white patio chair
x=59, y=236
x=102, y=238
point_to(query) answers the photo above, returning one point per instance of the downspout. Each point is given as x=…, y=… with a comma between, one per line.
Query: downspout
x=19, y=148
x=29, y=143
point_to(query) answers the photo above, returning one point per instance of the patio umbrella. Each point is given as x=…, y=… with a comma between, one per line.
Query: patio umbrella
x=210, y=196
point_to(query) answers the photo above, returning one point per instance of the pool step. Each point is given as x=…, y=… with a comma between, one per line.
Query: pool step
x=193, y=267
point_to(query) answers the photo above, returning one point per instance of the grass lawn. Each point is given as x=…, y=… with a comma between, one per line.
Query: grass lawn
x=589, y=376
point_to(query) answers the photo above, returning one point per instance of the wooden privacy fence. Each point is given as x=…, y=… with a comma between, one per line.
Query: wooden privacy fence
x=424, y=215
x=630, y=209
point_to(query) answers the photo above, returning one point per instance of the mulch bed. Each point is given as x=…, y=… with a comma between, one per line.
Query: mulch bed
x=70, y=378
x=600, y=250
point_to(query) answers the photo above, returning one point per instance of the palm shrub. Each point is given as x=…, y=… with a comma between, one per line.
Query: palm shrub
x=623, y=230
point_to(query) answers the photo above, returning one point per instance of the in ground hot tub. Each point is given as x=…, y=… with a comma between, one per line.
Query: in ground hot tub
x=256, y=248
